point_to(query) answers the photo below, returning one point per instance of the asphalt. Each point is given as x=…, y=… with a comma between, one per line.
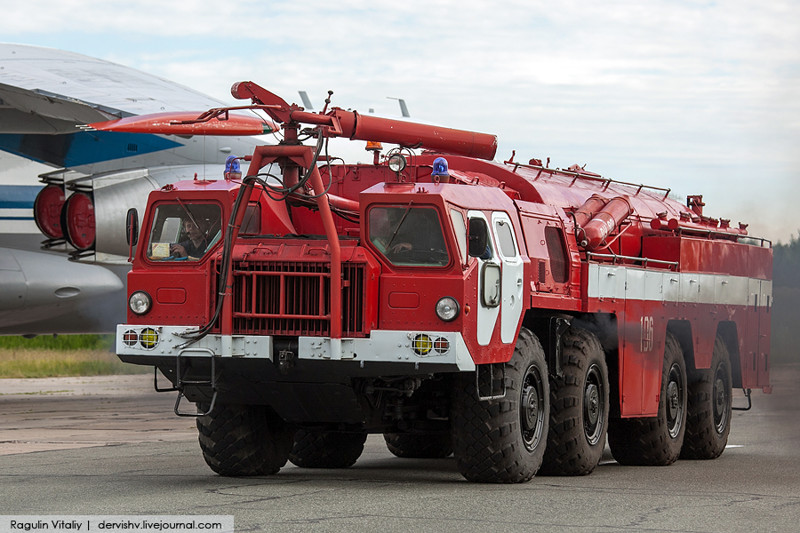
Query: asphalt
x=109, y=445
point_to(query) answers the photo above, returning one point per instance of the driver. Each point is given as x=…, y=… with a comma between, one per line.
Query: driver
x=395, y=230
x=390, y=230
x=196, y=243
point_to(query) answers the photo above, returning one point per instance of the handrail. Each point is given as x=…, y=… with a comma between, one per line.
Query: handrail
x=582, y=175
x=644, y=260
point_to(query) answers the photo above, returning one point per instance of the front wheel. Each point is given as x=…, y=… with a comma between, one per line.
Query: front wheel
x=244, y=440
x=503, y=440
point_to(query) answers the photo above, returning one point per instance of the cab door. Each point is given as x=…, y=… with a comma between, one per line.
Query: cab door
x=489, y=282
x=511, y=272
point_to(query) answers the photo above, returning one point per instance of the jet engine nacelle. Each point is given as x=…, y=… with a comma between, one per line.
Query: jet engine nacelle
x=89, y=212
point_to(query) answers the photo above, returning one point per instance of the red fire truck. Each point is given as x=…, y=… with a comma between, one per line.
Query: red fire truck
x=514, y=315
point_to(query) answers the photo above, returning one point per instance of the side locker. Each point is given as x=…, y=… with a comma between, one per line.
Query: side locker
x=749, y=342
x=611, y=281
x=764, y=311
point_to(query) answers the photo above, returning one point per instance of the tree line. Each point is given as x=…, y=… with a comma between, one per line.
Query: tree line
x=785, y=338
x=786, y=263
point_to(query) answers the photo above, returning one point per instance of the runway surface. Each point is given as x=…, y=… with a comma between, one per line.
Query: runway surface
x=109, y=445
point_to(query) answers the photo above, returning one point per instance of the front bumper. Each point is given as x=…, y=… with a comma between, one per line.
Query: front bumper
x=421, y=348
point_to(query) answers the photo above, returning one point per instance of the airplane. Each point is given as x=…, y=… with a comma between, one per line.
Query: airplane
x=80, y=183
x=73, y=185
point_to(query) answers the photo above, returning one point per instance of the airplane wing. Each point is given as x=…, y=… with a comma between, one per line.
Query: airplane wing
x=48, y=91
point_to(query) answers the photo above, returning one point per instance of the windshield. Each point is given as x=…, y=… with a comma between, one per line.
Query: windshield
x=184, y=231
x=408, y=236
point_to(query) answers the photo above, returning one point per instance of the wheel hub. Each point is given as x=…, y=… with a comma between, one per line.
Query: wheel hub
x=720, y=398
x=719, y=394
x=592, y=404
x=674, y=401
x=530, y=408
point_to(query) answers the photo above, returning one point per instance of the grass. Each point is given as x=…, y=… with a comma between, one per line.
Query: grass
x=65, y=355
x=59, y=342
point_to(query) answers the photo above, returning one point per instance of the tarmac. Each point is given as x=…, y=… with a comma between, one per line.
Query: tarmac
x=112, y=446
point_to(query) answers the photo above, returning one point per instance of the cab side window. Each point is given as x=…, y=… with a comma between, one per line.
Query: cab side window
x=505, y=238
x=480, y=243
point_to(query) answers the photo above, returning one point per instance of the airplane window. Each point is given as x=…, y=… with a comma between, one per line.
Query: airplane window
x=183, y=231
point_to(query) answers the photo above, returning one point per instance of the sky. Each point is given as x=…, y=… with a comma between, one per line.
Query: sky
x=701, y=97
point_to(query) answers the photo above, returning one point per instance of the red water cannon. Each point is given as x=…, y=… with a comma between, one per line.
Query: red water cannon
x=340, y=123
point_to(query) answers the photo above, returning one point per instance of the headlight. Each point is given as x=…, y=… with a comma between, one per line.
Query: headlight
x=397, y=163
x=422, y=344
x=140, y=302
x=447, y=308
x=149, y=338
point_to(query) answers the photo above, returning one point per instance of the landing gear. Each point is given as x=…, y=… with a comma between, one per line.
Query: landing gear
x=502, y=440
x=656, y=441
x=710, y=400
x=578, y=407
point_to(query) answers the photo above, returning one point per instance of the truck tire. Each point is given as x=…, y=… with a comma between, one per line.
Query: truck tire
x=419, y=445
x=708, y=421
x=244, y=440
x=578, y=407
x=503, y=440
x=326, y=449
x=656, y=441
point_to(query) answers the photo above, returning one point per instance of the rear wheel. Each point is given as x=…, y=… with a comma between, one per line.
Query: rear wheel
x=419, y=445
x=503, y=440
x=656, y=441
x=327, y=449
x=578, y=407
x=710, y=400
x=244, y=440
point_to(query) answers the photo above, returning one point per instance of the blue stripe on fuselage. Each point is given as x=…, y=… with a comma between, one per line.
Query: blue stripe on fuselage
x=18, y=196
x=82, y=148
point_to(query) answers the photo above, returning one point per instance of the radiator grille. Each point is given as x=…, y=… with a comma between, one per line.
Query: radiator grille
x=293, y=298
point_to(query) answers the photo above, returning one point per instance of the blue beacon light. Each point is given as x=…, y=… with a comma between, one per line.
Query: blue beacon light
x=232, y=168
x=440, y=170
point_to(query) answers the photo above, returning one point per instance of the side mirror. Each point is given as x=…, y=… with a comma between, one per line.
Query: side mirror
x=132, y=227
x=478, y=237
x=490, y=278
